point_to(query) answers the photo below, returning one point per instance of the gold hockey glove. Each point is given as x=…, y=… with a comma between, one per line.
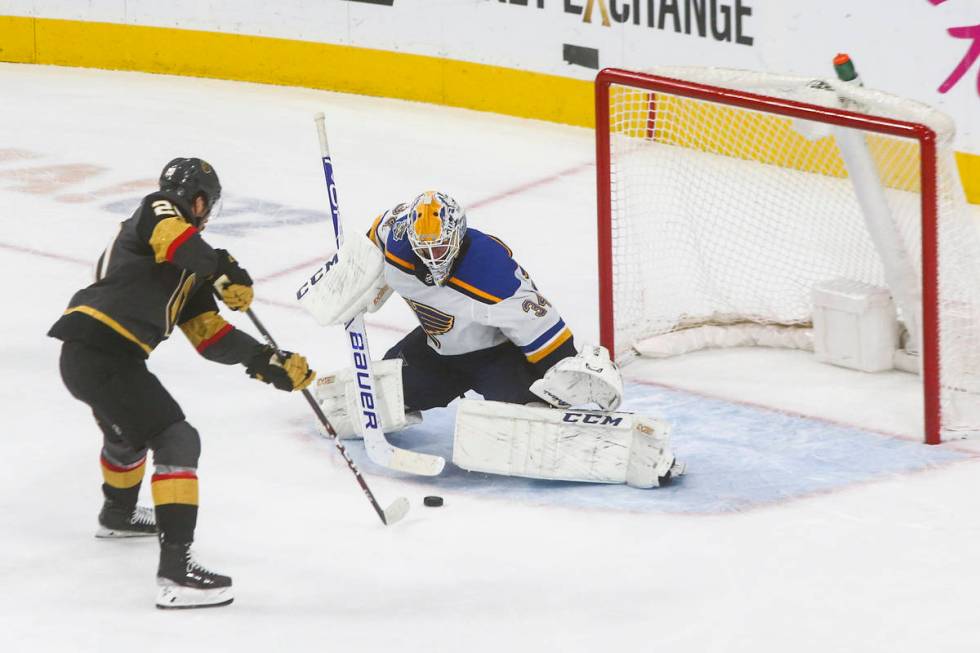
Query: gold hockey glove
x=232, y=282
x=287, y=372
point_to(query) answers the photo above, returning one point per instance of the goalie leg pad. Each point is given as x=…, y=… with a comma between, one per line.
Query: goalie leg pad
x=340, y=398
x=566, y=445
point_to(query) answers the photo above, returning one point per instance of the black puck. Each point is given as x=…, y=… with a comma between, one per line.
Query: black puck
x=432, y=501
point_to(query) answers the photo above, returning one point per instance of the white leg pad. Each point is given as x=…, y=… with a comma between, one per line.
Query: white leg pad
x=339, y=397
x=567, y=445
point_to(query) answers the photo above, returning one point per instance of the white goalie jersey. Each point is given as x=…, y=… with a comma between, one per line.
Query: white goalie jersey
x=487, y=300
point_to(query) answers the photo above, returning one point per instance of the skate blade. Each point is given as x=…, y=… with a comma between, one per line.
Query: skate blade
x=175, y=597
x=110, y=534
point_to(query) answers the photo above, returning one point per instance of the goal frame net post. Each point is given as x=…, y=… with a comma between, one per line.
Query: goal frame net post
x=645, y=127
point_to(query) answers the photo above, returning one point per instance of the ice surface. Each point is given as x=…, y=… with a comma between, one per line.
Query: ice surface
x=804, y=536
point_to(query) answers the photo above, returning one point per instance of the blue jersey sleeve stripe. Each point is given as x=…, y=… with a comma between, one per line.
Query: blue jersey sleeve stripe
x=543, y=339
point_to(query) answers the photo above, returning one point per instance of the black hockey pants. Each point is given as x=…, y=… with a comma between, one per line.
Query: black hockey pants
x=430, y=380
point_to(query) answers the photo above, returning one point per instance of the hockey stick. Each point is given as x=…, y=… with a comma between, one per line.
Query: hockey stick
x=399, y=507
x=378, y=448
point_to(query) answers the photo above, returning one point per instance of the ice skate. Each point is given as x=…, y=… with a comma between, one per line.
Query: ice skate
x=117, y=521
x=184, y=583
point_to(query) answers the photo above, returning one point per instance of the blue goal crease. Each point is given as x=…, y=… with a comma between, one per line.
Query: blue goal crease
x=738, y=457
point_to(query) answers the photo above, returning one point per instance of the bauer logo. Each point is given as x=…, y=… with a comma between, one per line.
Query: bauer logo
x=364, y=380
x=592, y=418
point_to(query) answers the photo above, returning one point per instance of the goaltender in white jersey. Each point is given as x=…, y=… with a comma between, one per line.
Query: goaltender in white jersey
x=485, y=327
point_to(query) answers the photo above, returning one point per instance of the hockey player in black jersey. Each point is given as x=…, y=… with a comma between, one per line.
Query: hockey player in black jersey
x=158, y=273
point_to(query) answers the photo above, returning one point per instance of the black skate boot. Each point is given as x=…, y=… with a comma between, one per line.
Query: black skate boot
x=186, y=584
x=117, y=520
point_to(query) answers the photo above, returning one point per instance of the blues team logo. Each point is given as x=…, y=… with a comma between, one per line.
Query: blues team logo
x=434, y=322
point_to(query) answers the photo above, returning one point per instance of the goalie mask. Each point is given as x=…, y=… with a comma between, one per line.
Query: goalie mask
x=189, y=177
x=437, y=225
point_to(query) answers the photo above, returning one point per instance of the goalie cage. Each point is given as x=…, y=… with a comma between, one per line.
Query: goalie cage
x=724, y=196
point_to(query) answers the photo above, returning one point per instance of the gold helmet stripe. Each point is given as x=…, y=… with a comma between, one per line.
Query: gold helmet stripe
x=428, y=224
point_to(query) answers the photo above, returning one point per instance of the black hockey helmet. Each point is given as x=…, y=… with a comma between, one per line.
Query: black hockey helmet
x=189, y=177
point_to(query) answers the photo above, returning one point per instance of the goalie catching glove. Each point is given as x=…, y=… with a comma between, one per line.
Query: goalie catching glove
x=285, y=370
x=349, y=284
x=232, y=283
x=590, y=377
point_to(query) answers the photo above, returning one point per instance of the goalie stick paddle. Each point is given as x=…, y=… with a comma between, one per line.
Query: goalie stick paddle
x=378, y=448
x=399, y=507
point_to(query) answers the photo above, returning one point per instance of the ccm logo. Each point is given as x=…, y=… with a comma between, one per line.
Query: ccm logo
x=305, y=288
x=363, y=380
x=592, y=418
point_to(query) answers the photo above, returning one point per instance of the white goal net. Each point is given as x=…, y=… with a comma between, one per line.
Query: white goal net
x=720, y=212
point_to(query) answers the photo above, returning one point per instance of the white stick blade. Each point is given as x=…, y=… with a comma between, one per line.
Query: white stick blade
x=404, y=460
x=396, y=511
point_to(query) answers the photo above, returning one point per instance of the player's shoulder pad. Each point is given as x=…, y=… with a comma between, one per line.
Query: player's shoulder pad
x=487, y=271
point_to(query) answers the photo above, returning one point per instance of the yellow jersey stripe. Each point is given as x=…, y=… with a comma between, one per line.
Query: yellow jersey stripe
x=399, y=261
x=202, y=327
x=509, y=251
x=164, y=234
x=547, y=349
x=112, y=324
x=473, y=289
x=373, y=231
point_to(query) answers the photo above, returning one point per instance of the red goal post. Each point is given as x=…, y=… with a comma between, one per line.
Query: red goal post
x=654, y=85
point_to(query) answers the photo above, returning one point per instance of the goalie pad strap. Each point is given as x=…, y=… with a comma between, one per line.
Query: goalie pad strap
x=555, y=444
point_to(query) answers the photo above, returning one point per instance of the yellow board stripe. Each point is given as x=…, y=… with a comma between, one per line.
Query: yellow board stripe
x=473, y=289
x=295, y=63
x=175, y=490
x=969, y=167
x=555, y=344
x=112, y=324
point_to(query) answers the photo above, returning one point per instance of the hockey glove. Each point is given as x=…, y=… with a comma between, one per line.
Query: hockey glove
x=287, y=372
x=232, y=282
x=352, y=283
x=590, y=377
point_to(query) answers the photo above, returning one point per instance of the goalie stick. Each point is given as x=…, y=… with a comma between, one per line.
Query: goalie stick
x=399, y=507
x=378, y=448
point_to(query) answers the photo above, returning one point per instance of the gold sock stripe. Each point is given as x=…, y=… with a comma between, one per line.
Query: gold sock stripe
x=179, y=487
x=123, y=477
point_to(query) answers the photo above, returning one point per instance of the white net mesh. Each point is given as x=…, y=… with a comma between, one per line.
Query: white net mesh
x=723, y=216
